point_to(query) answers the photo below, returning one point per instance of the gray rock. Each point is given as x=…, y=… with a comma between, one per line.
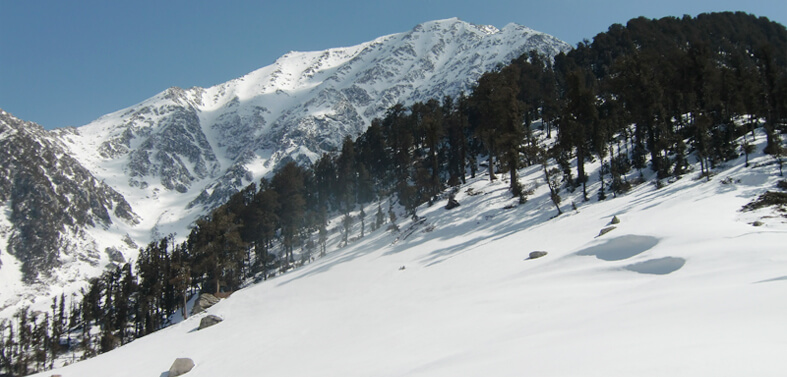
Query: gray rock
x=452, y=203
x=209, y=321
x=537, y=254
x=204, y=301
x=605, y=231
x=182, y=365
x=115, y=255
x=615, y=220
x=758, y=223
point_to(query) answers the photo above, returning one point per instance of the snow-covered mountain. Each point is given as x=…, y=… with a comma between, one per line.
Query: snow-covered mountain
x=171, y=158
x=686, y=284
x=53, y=209
x=208, y=143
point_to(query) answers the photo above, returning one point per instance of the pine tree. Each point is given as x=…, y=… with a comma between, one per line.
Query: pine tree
x=577, y=119
x=552, y=178
x=380, y=217
x=288, y=183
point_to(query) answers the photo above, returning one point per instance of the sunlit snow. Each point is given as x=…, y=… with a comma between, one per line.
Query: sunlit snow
x=684, y=285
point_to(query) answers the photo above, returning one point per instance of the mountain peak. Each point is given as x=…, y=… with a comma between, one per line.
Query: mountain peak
x=454, y=23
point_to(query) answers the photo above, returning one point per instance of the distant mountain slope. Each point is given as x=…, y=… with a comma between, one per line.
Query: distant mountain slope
x=208, y=143
x=50, y=200
x=160, y=164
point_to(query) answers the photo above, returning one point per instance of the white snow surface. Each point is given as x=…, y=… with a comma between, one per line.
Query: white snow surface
x=684, y=285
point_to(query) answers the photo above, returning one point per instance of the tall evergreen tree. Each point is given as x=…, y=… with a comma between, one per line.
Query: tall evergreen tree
x=288, y=183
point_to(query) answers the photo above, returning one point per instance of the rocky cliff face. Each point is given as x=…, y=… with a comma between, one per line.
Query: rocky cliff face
x=50, y=199
x=151, y=169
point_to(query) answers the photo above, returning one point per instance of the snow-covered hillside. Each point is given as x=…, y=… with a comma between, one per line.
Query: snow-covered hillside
x=48, y=201
x=174, y=156
x=685, y=285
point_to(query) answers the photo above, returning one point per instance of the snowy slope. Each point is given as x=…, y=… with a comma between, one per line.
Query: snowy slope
x=48, y=200
x=684, y=286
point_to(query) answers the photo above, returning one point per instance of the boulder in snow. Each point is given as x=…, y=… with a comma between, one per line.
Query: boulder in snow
x=605, y=231
x=204, y=301
x=182, y=365
x=452, y=203
x=209, y=321
x=537, y=254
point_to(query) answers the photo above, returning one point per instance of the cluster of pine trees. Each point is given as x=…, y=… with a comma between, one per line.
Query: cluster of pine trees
x=645, y=95
x=31, y=341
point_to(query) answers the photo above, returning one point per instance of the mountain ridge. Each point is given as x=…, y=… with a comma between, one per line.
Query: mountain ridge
x=271, y=115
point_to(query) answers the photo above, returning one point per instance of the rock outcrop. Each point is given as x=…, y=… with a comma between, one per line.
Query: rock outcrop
x=204, y=301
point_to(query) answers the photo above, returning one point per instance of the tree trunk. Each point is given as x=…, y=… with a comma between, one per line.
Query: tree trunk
x=516, y=190
x=553, y=194
x=492, y=176
x=185, y=306
x=581, y=172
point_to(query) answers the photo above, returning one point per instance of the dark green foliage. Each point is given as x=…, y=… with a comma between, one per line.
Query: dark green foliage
x=379, y=217
x=289, y=184
x=768, y=199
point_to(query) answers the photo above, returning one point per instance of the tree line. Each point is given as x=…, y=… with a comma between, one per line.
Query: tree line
x=647, y=95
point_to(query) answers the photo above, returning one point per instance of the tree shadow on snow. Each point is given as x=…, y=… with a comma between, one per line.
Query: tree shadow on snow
x=661, y=266
x=492, y=224
x=621, y=248
x=781, y=278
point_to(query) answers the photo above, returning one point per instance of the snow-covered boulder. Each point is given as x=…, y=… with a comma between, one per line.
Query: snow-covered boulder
x=182, y=365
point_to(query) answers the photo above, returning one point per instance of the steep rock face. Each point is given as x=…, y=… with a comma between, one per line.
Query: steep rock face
x=162, y=139
x=49, y=198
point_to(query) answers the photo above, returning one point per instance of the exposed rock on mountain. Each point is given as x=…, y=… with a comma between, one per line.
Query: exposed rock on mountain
x=49, y=198
x=208, y=143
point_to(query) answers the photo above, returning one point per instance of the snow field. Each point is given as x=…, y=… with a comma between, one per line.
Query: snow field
x=708, y=300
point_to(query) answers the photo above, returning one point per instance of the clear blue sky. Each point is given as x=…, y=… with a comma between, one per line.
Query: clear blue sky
x=65, y=63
